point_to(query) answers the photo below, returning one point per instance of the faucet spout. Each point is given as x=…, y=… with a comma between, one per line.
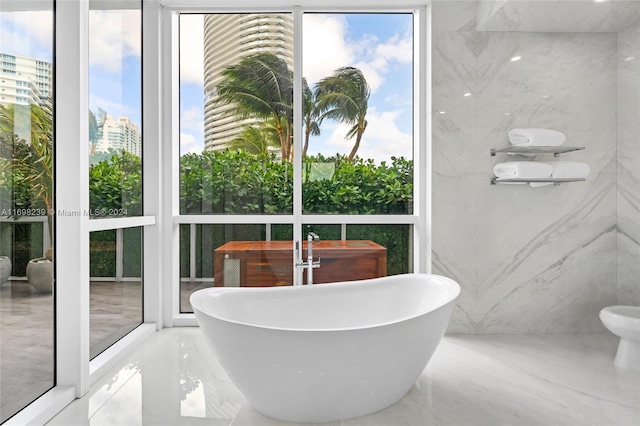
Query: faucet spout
x=312, y=237
x=310, y=264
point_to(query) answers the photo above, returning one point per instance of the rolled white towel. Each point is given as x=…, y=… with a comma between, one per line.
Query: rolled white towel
x=522, y=170
x=536, y=137
x=565, y=170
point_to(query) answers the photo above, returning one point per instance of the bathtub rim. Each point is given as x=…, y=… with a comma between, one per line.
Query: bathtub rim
x=450, y=283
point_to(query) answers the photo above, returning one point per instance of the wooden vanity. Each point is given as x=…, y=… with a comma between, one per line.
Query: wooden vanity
x=270, y=263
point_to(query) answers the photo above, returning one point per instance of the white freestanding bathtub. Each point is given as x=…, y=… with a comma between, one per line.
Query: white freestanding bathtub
x=326, y=352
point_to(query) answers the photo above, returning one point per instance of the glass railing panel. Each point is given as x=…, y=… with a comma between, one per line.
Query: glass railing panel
x=115, y=266
x=233, y=255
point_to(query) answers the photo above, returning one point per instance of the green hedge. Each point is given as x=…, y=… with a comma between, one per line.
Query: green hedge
x=238, y=182
x=115, y=186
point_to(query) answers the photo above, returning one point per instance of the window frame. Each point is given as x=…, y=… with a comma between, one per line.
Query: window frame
x=421, y=217
x=161, y=219
x=75, y=372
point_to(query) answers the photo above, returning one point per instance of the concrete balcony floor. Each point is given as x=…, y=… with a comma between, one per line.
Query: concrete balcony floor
x=27, y=334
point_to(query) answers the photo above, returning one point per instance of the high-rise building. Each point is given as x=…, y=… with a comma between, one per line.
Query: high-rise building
x=118, y=135
x=227, y=39
x=24, y=80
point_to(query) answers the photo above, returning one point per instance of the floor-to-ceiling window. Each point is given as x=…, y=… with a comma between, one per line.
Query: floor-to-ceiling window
x=274, y=187
x=294, y=122
x=115, y=170
x=27, y=320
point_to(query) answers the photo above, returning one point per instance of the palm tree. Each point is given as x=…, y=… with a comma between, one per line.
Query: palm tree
x=96, y=125
x=310, y=115
x=35, y=165
x=261, y=86
x=257, y=139
x=345, y=97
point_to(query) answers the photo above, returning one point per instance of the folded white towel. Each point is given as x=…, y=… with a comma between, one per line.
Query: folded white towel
x=536, y=137
x=522, y=170
x=566, y=170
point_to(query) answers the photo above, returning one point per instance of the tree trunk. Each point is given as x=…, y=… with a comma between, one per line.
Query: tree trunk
x=306, y=142
x=355, y=146
x=50, y=213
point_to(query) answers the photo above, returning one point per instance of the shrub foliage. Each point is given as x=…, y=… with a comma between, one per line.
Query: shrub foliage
x=240, y=182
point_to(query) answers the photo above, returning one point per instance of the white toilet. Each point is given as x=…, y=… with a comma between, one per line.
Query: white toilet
x=624, y=321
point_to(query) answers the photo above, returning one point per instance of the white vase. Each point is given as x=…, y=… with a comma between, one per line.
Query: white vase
x=40, y=274
x=5, y=269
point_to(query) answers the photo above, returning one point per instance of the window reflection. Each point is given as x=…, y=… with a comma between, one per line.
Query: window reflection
x=115, y=169
x=115, y=110
x=115, y=287
x=26, y=204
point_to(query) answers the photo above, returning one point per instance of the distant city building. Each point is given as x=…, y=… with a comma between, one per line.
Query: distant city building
x=227, y=39
x=24, y=80
x=118, y=135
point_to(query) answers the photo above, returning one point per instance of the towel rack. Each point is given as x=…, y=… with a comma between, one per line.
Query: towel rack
x=555, y=150
x=555, y=181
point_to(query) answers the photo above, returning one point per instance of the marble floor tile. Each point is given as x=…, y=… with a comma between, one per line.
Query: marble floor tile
x=173, y=379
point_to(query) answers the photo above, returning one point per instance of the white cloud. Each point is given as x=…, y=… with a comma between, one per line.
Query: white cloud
x=189, y=144
x=192, y=119
x=192, y=49
x=395, y=49
x=325, y=47
x=113, y=35
x=27, y=33
x=114, y=109
x=381, y=140
x=377, y=58
x=337, y=139
x=399, y=100
x=374, y=78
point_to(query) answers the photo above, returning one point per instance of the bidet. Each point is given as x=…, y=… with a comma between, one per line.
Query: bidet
x=624, y=322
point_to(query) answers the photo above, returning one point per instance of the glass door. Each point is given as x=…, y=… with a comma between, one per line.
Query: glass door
x=276, y=147
x=27, y=208
x=115, y=172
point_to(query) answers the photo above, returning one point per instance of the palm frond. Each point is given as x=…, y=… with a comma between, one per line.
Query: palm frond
x=344, y=97
x=260, y=86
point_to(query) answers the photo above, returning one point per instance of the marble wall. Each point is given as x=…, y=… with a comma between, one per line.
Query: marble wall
x=628, y=173
x=529, y=260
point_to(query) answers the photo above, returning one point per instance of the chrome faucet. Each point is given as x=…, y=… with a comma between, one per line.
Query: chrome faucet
x=310, y=264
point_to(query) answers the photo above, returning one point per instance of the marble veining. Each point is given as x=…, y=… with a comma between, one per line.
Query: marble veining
x=628, y=168
x=173, y=379
x=529, y=260
x=557, y=15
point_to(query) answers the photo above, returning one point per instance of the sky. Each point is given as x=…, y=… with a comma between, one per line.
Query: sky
x=27, y=34
x=380, y=45
x=114, y=54
x=115, y=66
